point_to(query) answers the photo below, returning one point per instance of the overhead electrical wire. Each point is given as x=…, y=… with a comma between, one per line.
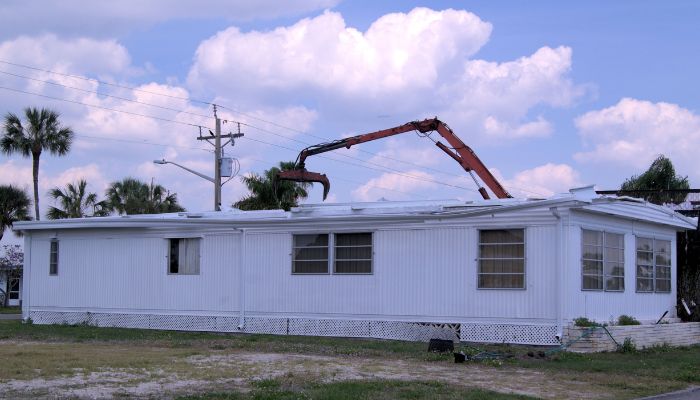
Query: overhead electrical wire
x=204, y=116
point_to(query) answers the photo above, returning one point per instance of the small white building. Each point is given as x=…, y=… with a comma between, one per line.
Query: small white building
x=513, y=270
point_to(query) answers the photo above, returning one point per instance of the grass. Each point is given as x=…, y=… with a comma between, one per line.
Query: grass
x=11, y=310
x=63, y=350
x=357, y=390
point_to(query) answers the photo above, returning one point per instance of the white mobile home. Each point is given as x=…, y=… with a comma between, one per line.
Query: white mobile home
x=509, y=270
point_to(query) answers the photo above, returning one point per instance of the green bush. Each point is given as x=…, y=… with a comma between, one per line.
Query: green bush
x=628, y=346
x=627, y=320
x=585, y=322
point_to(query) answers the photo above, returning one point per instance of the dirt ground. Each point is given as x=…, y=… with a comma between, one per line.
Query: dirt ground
x=170, y=372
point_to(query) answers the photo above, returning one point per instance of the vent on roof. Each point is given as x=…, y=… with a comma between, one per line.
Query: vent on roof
x=584, y=193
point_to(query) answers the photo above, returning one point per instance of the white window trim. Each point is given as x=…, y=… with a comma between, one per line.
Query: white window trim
x=58, y=252
x=167, y=255
x=478, y=258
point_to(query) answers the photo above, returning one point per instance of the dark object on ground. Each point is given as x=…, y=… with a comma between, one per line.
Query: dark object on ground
x=459, y=357
x=441, y=346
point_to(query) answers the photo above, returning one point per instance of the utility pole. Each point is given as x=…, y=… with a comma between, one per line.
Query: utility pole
x=218, y=154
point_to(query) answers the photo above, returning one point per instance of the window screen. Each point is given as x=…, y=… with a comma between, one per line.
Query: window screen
x=653, y=265
x=502, y=259
x=602, y=261
x=353, y=253
x=53, y=258
x=184, y=256
x=310, y=254
x=14, y=289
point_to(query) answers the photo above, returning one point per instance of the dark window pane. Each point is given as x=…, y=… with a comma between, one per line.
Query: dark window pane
x=509, y=281
x=311, y=253
x=614, y=269
x=353, y=267
x=310, y=240
x=310, y=267
x=645, y=285
x=502, y=266
x=663, y=285
x=174, y=259
x=614, y=240
x=502, y=236
x=663, y=259
x=645, y=257
x=353, y=239
x=353, y=253
x=593, y=238
x=663, y=272
x=644, y=244
x=614, y=255
x=502, y=251
x=593, y=252
x=662, y=246
x=615, y=284
x=645, y=271
x=591, y=282
x=592, y=267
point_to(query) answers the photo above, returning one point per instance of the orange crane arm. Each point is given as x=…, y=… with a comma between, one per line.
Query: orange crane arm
x=459, y=151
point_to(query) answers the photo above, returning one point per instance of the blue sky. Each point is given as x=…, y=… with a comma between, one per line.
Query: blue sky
x=549, y=94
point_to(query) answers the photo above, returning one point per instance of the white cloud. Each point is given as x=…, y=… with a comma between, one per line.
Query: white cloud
x=78, y=17
x=633, y=132
x=495, y=98
x=394, y=186
x=541, y=181
x=397, y=52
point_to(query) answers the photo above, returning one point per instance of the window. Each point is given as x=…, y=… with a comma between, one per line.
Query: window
x=53, y=258
x=183, y=258
x=353, y=253
x=13, y=293
x=653, y=265
x=603, y=261
x=502, y=259
x=310, y=254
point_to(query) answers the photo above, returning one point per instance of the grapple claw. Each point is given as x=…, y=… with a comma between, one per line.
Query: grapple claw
x=302, y=175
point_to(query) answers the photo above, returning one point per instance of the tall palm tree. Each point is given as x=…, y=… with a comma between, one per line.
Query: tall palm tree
x=131, y=196
x=76, y=202
x=41, y=131
x=269, y=193
x=14, y=206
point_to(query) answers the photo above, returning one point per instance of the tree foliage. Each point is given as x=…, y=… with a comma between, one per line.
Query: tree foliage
x=76, y=202
x=40, y=131
x=14, y=206
x=11, y=268
x=660, y=176
x=131, y=196
x=269, y=193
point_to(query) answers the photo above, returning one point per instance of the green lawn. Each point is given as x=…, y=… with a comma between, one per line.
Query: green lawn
x=10, y=310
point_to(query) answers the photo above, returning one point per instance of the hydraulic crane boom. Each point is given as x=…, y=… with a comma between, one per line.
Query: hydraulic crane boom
x=459, y=151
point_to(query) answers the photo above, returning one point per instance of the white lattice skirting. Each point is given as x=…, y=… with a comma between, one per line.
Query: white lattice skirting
x=397, y=330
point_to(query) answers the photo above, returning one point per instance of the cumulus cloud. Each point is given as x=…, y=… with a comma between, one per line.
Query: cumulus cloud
x=394, y=186
x=77, y=17
x=398, y=51
x=633, y=132
x=541, y=181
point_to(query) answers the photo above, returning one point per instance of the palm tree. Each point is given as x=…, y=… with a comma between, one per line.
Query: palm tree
x=42, y=131
x=76, y=202
x=269, y=193
x=131, y=196
x=14, y=206
x=659, y=177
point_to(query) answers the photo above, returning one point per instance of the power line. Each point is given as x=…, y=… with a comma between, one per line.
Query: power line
x=105, y=94
x=103, y=108
x=104, y=82
x=142, y=142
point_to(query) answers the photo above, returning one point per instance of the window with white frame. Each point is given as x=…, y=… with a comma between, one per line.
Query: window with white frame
x=602, y=261
x=501, y=259
x=184, y=256
x=653, y=265
x=53, y=257
x=310, y=254
x=353, y=253
x=349, y=253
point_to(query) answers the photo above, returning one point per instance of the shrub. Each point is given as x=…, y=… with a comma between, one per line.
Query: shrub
x=585, y=322
x=627, y=320
x=628, y=346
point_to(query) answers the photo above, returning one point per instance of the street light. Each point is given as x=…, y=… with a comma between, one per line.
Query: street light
x=217, y=189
